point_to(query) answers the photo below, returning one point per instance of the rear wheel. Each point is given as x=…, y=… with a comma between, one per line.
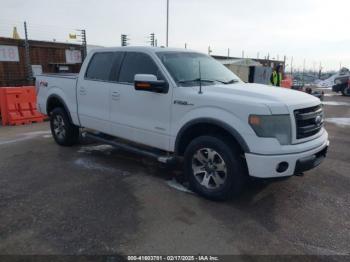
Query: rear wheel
x=214, y=169
x=63, y=131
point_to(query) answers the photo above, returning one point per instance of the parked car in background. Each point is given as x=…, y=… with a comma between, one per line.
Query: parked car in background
x=318, y=94
x=342, y=84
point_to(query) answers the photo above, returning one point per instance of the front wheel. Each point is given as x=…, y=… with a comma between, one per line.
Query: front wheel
x=346, y=91
x=214, y=168
x=63, y=131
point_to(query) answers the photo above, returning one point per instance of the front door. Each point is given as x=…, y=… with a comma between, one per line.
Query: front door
x=140, y=116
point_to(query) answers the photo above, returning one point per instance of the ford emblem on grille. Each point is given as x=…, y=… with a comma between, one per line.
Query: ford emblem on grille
x=318, y=120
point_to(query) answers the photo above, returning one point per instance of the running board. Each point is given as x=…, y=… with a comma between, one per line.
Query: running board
x=160, y=158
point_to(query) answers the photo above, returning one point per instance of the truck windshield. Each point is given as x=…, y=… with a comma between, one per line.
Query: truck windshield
x=184, y=68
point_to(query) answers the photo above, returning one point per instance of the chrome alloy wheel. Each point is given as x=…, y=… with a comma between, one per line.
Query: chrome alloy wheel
x=209, y=168
x=59, y=127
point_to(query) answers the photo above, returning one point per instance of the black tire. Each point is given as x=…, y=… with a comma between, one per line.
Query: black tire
x=346, y=91
x=236, y=175
x=69, y=133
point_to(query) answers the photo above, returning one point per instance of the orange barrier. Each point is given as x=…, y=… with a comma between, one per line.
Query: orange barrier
x=18, y=106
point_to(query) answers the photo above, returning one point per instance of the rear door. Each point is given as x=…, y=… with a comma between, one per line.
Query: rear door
x=93, y=92
x=140, y=116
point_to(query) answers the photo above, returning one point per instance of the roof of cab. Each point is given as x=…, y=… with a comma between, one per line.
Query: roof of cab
x=142, y=49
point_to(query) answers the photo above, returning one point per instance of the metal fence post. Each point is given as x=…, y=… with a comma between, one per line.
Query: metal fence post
x=27, y=56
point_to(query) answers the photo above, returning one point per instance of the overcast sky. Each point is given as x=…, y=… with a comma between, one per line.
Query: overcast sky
x=314, y=30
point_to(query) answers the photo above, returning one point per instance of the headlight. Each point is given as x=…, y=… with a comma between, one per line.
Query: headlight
x=277, y=126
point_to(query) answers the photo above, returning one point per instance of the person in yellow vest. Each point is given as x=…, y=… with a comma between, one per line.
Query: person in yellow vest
x=276, y=76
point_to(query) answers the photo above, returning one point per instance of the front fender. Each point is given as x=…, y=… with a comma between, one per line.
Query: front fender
x=212, y=115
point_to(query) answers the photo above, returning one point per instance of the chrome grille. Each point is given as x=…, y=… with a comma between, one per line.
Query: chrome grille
x=309, y=121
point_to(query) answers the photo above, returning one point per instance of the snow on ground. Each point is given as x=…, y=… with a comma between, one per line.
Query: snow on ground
x=340, y=121
x=335, y=103
x=330, y=94
x=23, y=137
x=93, y=148
x=176, y=185
x=91, y=164
x=329, y=82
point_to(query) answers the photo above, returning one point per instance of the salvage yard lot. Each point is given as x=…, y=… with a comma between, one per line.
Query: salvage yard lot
x=93, y=199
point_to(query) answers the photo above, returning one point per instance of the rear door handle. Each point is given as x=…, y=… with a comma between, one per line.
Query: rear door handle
x=82, y=91
x=115, y=95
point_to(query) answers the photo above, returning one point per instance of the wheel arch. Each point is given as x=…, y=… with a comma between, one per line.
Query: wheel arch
x=54, y=101
x=205, y=126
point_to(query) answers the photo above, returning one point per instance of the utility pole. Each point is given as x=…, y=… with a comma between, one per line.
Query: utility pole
x=156, y=42
x=83, y=39
x=185, y=45
x=124, y=40
x=209, y=50
x=228, y=53
x=242, y=53
x=303, y=70
x=291, y=66
x=167, y=23
x=152, y=39
x=27, y=55
x=314, y=68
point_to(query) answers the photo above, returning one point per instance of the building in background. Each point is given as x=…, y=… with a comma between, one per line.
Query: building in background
x=45, y=57
x=265, y=62
x=58, y=57
x=250, y=70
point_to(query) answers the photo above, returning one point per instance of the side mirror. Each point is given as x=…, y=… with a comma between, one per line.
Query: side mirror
x=145, y=82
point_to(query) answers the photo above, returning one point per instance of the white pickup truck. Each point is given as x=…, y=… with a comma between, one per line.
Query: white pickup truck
x=179, y=104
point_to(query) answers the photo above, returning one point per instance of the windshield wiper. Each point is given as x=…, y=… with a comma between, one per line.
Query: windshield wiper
x=195, y=80
x=208, y=80
x=232, y=81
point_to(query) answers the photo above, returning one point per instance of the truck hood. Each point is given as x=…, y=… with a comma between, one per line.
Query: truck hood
x=273, y=97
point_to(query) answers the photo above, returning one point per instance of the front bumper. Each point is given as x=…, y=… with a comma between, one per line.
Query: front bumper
x=266, y=166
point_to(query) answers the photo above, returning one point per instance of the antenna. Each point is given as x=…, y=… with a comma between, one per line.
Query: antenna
x=200, y=78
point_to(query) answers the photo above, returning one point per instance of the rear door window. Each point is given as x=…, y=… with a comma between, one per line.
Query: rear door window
x=100, y=66
x=118, y=59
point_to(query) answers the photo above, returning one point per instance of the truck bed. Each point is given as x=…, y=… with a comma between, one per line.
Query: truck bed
x=60, y=75
x=60, y=85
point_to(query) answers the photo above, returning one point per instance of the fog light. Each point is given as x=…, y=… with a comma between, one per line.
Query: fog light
x=281, y=167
